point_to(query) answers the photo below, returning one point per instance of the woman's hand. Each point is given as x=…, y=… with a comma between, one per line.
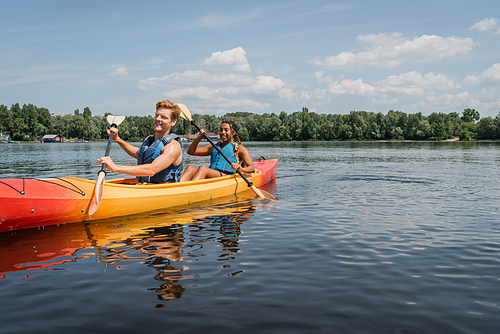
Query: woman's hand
x=235, y=166
x=201, y=133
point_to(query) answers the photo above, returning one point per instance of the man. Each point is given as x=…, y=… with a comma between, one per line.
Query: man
x=159, y=159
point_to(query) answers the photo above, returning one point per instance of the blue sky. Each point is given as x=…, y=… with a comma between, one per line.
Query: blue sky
x=257, y=56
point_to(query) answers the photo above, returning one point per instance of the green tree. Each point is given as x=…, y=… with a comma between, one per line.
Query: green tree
x=439, y=126
x=488, y=128
x=16, y=111
x=30, y=116
x=423, y=130
x=87, y=114
x=61, y=125
x=468, y=130
x=413, y=127
x=243, y=133
x=18, y=128
x=394, y=120
x=44, y=119
x=470, y=115
x=5, y=118
x=346, y=132
x=358, y=126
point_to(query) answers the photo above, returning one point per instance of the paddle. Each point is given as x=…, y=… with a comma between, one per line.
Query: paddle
x=186, y=114
x=98, y=189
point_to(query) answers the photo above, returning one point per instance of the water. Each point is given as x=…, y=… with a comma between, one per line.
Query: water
x=376, y=237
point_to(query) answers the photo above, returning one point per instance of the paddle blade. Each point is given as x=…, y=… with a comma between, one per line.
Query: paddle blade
x=261, y=193
x=116, y=120
x=98, y=190
x=185, y=112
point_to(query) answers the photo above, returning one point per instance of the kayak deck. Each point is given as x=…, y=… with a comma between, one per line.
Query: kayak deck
x=29, y=203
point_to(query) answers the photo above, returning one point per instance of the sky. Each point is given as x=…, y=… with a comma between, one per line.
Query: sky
x=257, y=56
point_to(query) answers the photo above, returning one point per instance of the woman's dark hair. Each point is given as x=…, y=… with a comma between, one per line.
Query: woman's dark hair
x=234, y=128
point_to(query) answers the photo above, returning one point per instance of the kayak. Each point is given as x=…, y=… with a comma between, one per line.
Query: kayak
x=31, y=203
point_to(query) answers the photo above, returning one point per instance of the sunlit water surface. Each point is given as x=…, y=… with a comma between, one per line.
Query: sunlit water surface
x=377, y=237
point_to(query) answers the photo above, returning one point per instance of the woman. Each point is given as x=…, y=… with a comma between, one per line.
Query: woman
x=230, y=145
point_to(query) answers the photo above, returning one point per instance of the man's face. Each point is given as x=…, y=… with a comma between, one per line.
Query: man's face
x=163, y=120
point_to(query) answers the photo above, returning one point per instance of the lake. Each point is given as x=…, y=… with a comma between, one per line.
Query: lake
x=364, y=237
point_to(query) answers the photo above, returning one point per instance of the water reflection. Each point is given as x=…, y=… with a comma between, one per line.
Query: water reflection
x=165, y=241
x=175, y=239
x=41, y=249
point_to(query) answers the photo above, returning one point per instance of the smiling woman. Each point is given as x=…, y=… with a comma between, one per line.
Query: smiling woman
x=226, y=157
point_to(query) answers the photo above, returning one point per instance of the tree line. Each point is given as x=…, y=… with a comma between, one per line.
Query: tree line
x=30, y=121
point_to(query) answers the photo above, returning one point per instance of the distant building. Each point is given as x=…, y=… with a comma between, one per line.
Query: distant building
x=52, y=139
x=5, y=136
x=211, y=135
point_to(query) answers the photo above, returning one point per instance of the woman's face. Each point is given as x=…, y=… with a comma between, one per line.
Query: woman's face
x=225, y=133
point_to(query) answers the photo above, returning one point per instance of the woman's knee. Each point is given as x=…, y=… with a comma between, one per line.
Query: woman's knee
x=190, y=169
x=188, y=173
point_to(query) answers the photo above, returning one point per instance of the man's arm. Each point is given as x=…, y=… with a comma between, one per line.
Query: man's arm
x=130, y=149
x=171, y=154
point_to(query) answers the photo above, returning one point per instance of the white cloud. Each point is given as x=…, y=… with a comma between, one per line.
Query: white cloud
x=391, y=50
x=200, y=92
x=228, y=61
x=225, y=81
x=316, y=96
x=265, y=84
x=213, y=98
x=489, y=76
x=452, y=102
x=409, y=84
x=414, y=83
x=351, y=87
x=122, y=71
x=319, y=77
x=385, y=101
x=484, y=25
x=396, y=89
x=195, y=78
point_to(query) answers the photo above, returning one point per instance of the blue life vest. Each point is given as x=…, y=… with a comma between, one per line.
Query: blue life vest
x=218, y=162
x=150, y=150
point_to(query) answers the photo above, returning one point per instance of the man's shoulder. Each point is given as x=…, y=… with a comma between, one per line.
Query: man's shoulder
x=170, y=138
x=174, y=144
